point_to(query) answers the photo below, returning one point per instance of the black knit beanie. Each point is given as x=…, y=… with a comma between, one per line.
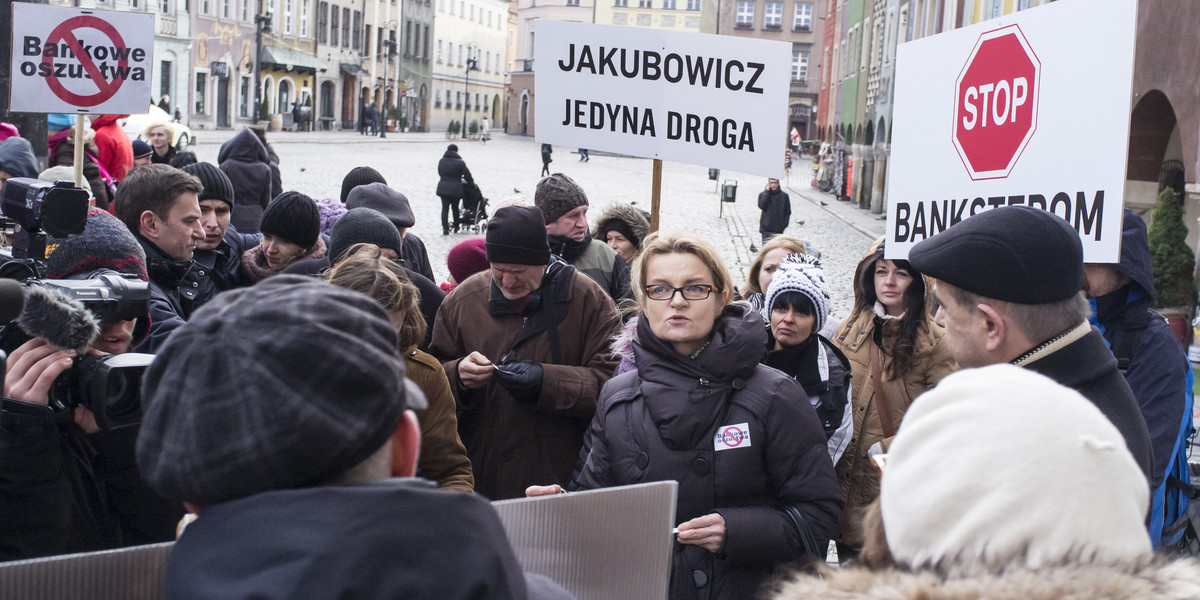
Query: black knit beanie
x=362, y=226
x=558, y=195
x=517, y=235
x=293, y=217
x=217, y=185
x=359, y=176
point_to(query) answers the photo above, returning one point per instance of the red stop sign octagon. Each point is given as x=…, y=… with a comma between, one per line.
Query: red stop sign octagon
x=996, y=103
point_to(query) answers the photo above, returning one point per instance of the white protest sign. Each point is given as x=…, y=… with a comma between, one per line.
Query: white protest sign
x=73, y=60
x=1031, y=108
x=716, y=101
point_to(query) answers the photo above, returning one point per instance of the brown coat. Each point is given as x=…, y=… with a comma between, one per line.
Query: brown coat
x=512, y=444
x=443, y=457
x=931, y=362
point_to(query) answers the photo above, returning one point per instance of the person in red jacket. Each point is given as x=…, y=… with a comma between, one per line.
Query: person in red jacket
x=116, y=149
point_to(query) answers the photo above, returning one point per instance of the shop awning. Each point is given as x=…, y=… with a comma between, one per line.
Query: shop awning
x=295, y=59
x=352, y=69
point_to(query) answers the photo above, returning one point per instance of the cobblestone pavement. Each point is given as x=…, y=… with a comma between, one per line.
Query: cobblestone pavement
x=314, y=163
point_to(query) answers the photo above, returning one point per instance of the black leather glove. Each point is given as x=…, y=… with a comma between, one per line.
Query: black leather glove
x=522, y=379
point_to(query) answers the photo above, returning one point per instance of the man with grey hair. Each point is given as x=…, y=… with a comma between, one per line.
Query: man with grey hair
x=288, y=457
x=1008, y=282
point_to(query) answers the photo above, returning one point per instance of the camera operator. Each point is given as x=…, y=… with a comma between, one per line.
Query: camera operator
x=160, y=205
x=65, y=485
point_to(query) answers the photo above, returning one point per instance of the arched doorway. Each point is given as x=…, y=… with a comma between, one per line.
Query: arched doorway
x=496, y=108
x=268, y=94
x=326, y=110
x=284, y=102
x=523, y=115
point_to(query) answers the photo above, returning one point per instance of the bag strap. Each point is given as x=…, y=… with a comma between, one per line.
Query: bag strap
x=884, y=408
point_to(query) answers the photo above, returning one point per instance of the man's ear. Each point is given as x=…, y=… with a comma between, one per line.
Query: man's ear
x=406, y=446
x=995, y=329
x=148, y=225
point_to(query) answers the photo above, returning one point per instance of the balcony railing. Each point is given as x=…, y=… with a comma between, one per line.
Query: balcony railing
x=802, y=28
x=167, y=25
x=744, y=26
x=772, y=27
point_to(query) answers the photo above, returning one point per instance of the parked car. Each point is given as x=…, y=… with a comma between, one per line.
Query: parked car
x=136, y=124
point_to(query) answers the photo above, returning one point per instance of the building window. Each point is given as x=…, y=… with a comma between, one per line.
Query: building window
x=333, y=27
x=226, y=10
x=803, y=18
x=379, y=50
x=206, y=7
x=439, y=53
x=621, y=3
x=643, y=3
x=345, y=27
x=572, y=2
x=417, y=41
x=745, y=14
x=773, y=15
x=304, y=6
x=667, y=20
x=322, y=22
x=620, y=18
x=643, y=20
x=668, y=4
x=458, y=99
x=476, y=100
x=408, y=38
x=358, y=29
x=799, y=65
x=135, y=4
x=246, y=11
x=487, y=61
x=201, y=86
x=164, y=7
x=460, y=55
x=691, y=23
x=426, y=53
x=287, y=16
x=693, y=5
x=246, y=96
x=437, y=98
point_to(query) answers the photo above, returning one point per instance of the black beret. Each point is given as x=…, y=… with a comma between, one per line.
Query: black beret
x=1012, y=254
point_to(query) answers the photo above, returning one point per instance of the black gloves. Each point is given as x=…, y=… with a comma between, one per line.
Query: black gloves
x=522, y=379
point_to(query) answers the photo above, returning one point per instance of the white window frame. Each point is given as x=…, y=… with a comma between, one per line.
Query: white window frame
x=745, y=12
x=304, y=10
x=800, y=65
x=773, y=14
x=802, y=16
x=289, y=7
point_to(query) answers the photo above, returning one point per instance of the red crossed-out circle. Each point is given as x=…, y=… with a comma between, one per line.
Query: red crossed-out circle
x=737, y=437
x=64, y=32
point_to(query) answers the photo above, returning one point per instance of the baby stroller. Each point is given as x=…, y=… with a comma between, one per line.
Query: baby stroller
x=473, y=216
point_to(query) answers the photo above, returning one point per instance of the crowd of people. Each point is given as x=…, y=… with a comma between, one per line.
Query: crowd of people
x=317, y=399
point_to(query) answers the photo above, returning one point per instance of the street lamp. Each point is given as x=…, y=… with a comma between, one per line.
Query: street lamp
x=262, y=24
x=472, y=65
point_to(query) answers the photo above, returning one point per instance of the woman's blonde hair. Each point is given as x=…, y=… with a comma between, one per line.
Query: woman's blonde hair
x=365, y=269
x=791, y=244
x=153, y=126
x=674, y=242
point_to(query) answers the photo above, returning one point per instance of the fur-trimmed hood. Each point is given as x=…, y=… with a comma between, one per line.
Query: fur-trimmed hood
x=1174, y=580
x=633, y=218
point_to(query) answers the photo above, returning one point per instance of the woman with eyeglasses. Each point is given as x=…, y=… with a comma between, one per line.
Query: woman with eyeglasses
x=756, y=486
x=896, y=353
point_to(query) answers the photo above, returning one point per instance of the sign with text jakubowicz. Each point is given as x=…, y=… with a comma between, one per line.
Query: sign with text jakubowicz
x=716, y=101
x=74, y=60
x=1031, y=108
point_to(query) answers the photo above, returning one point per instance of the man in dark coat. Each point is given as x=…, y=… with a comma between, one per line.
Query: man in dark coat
x=245, y=161
x=397, y=208
x=69, y=485
x=1147, y=352
x=525, y=346
x=219, y=256
x=160, y=205
x=776, y=209
x=452, y=171
x=291, y=454
x=1008, y=282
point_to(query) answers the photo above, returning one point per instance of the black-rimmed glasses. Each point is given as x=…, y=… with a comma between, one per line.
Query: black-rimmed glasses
x=696, y=291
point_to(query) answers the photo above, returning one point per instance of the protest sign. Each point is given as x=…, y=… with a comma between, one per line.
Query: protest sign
x=1027, y=109
x=601, y=544
x=716, y=101
x=73, y=60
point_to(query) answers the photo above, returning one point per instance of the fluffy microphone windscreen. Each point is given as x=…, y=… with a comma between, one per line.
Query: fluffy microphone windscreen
x=62, y=321
x=12, y=300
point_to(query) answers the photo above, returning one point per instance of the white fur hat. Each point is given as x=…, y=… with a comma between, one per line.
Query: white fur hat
x=1000, y=467
x=799, y=273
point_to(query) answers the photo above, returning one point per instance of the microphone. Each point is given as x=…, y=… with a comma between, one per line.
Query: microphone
x=12, y=300
x=50, y=314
